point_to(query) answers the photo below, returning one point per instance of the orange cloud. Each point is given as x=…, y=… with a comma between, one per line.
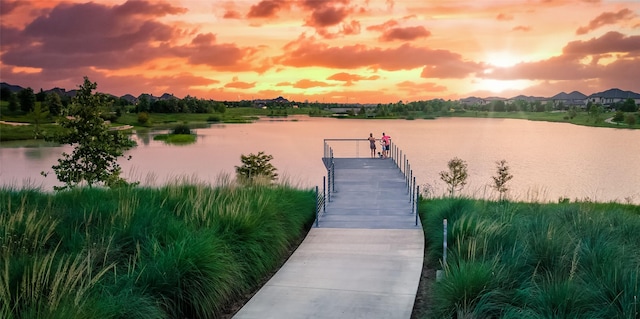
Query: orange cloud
x=521, y=28
x=347, y=77
x=306, y=53
x=306, y=84
x=232, y=14
x=382, y=27
x=420, y=87
x=240, y=85
x=504, y=17
x=606, y=18
x=568, y=66
x=204, y=50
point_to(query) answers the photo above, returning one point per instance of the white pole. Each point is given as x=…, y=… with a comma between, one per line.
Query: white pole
x=444, y=243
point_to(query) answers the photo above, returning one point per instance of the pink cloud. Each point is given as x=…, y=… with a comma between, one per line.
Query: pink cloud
x=266, y=8
x=405, y=34
x=610, y=42
x=605, y=19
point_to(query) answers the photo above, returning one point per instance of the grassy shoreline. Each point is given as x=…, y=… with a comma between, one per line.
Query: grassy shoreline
x=248, y=115
x=531, y=260
x=179, y=251
x=189, y=250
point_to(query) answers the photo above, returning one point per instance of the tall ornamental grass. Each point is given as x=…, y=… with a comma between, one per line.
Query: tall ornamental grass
x=532, y=260
x=179, y=251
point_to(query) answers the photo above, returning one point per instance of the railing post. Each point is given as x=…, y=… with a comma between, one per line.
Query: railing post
x=333, y=175
x=328, y=184
x=324, y=194
x=417, y=202
x=317, y=208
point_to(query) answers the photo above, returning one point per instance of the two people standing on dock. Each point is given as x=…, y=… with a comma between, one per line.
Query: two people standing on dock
x=385, y=142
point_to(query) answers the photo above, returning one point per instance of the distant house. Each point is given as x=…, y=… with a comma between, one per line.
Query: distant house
x=609, y=97
x=472, y=100
x=574, y=98
x=265, y=103
x=529, y=99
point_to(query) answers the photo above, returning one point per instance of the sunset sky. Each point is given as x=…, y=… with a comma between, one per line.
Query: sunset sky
x=343, y=51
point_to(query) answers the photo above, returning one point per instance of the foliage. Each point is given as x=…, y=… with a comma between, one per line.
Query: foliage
x=96, y=148
x=629, y=105
x=27, y=100
x=179, y=251
x=38, y=116
x=256, y=166
x=595, y=110
x=181, y=129
x=630, y=119
x=53, y=103
x=143, y=118
x=14, y=103
x=501, y=178
x=176, y=139
x=456, y=177
x=618, y=117
x=532, y=260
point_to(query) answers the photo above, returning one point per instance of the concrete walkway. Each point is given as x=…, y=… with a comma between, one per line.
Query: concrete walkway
x=363, y=261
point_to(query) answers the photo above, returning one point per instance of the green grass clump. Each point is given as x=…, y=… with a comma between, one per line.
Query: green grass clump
x=179, y=251
x=531, y=260
x=177, y=139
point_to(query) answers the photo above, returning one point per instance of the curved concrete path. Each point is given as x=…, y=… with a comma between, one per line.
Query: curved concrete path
x=363, y=261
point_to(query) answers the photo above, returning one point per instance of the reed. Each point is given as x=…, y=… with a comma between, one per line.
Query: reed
x=178, y=251
x=532, y=260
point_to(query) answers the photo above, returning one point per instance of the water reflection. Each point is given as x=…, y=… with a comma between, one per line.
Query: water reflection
x=548, y=160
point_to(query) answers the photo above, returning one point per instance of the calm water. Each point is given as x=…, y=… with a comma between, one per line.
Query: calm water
x=548, y=160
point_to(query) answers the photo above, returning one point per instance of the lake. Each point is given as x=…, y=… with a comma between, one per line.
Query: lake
x=547, y=160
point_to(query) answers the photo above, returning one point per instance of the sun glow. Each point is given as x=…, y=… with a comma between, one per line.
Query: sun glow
x=501, y=59
x=498, y=86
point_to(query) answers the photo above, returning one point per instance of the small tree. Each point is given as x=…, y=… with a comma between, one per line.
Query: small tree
x=27, y=100
x=456, y=177
x=96, y=148
x=501, y=178
x=38, y=116
x=53, y=103
x=255, y=166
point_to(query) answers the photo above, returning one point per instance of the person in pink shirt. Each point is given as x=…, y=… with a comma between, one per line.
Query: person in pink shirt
x=386, y=143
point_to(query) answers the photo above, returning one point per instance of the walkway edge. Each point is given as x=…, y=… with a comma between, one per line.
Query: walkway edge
x=345, y=273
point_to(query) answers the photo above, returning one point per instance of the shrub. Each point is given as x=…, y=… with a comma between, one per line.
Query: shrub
x=143, y=118
x=456, y=177
x=256, y=166
x=181, y=129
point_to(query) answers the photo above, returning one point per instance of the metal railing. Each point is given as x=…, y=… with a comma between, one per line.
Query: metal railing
x=354, y=149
